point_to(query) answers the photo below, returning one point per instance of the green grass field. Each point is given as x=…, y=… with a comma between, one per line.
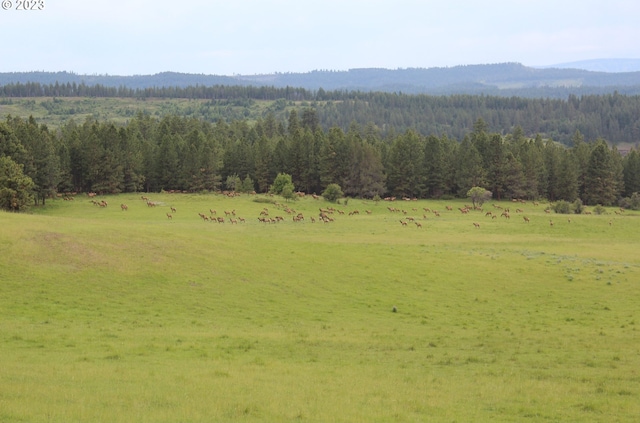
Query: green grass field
x=128, y=316
x=56, y=112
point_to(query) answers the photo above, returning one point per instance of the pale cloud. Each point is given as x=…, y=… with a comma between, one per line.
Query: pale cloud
x=263, y=36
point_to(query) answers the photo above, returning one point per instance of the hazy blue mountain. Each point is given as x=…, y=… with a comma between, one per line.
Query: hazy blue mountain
x=504, y=79
x=601, y=65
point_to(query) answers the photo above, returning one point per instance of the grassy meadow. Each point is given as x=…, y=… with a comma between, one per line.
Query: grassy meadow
x=57, y=111
x=128, y=316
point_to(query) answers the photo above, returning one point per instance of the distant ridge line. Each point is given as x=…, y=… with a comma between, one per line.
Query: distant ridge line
x=503, y=79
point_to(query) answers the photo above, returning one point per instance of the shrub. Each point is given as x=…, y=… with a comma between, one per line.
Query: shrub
x=599, y=209
x=563, y=207
x=280, y=182
x=332, y=193
x=264, y=200
x=578, y=207
x=632, y=203
x=479, y=195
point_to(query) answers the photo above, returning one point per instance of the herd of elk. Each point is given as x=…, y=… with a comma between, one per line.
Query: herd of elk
x=325, y=213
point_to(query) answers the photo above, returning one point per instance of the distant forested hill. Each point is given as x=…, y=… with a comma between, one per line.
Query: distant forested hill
x=552, y=103
x=506, y=79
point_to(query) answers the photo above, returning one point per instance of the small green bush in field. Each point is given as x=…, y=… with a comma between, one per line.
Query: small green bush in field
x=563, y=207
x=332, y=193
x=599, y=209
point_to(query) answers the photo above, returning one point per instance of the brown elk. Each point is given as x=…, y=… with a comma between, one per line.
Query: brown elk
x=477, y=225
x=418, y=224
x=550, y=222
x=124, y=207
x=173, y=209
x=526, y=219
x=403, y=223
x=169, y=216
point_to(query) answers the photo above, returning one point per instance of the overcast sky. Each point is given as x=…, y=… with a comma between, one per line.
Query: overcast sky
x=264, y=36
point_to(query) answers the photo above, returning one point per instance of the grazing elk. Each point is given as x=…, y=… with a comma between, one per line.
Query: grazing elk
x=418, y=224
x=124, y=207
x=477, y=225
x=169, y=216
x=526, y=219
x=173, y=209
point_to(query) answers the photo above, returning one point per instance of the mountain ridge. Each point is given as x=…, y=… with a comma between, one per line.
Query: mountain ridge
x=509, y=79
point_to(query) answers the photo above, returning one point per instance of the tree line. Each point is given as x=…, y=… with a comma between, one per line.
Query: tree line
x=182, y=154
x=613, y=117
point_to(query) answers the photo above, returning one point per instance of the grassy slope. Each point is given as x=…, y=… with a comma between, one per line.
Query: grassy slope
x=55, y=112
x=119, y=316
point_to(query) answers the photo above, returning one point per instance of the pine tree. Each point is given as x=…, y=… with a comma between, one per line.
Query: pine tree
x=632, y=173
x=600, y=184
x=469, y=171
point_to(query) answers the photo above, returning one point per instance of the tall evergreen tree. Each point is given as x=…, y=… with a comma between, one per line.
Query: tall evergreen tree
x=405, y=176
x=601, y=184
x=435, y=167
x=632, y=173
x=263, y=165
x=567, y=186
x=469, y=171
